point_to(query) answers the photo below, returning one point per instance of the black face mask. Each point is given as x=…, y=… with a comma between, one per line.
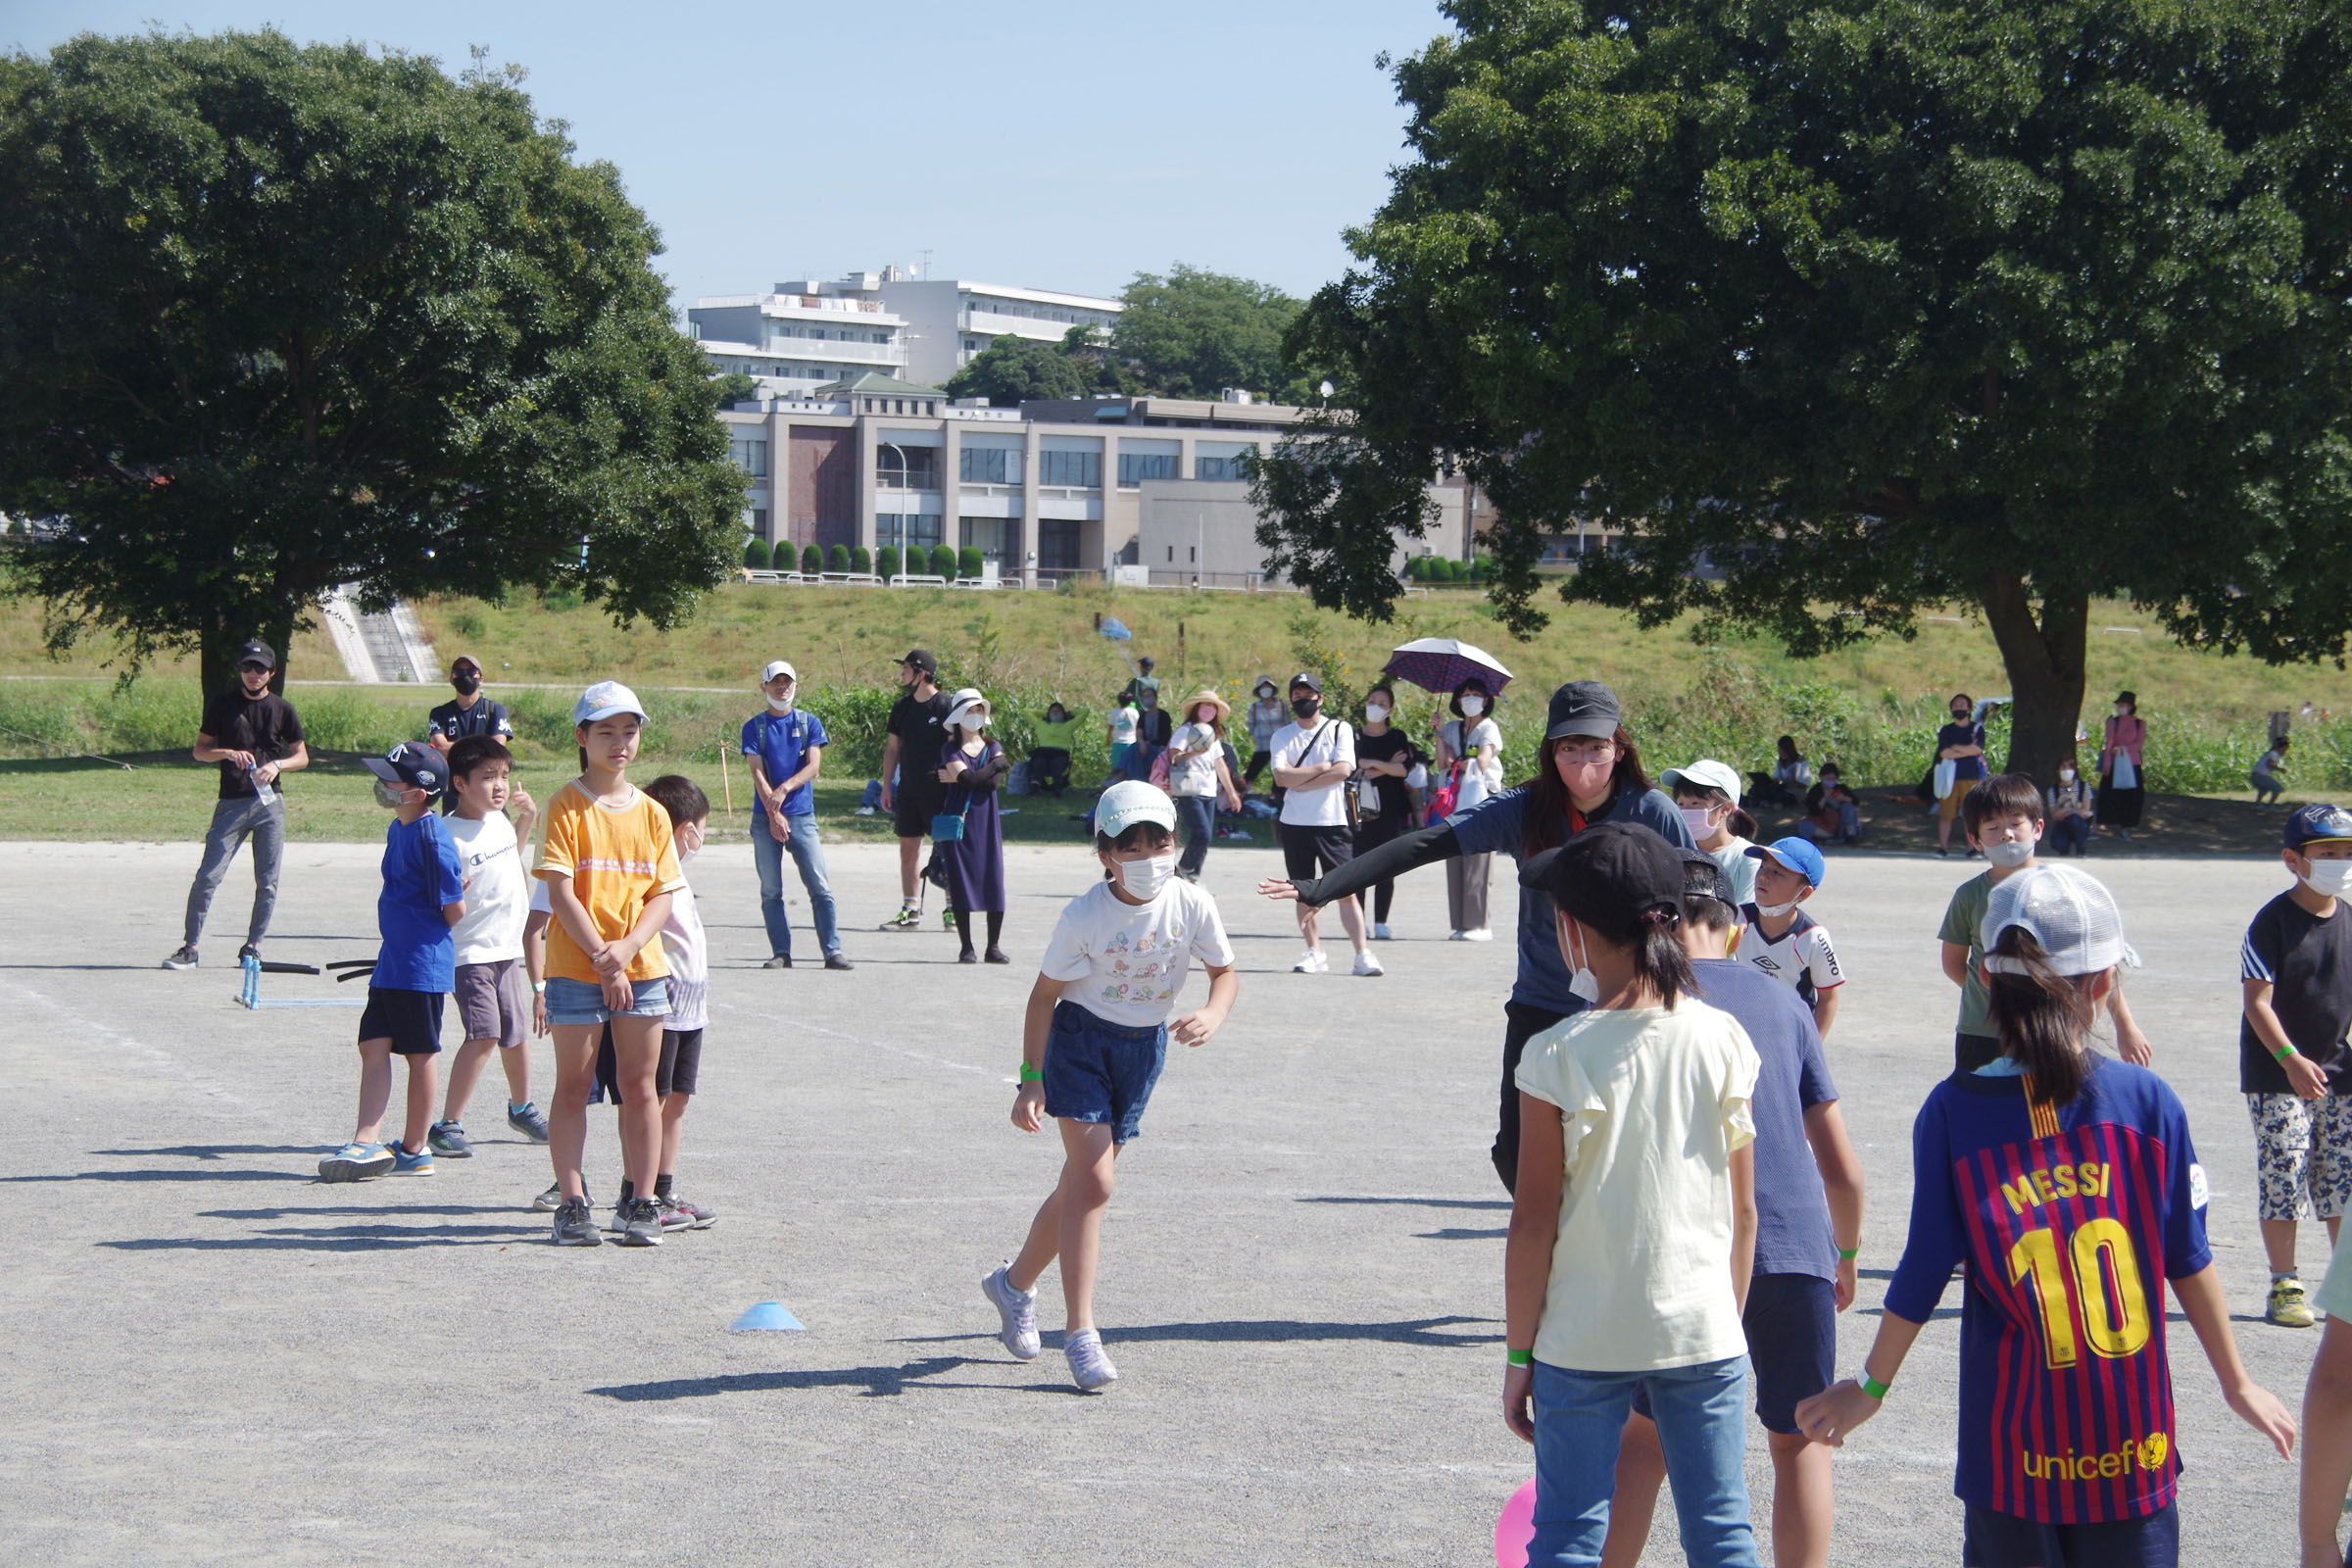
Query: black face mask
x=1306, y=706
x=466, y=682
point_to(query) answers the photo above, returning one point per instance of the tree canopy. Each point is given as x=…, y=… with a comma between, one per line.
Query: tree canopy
x=275, y=318
x=1874, y=306
x=1192, y=333
x=1012, y=370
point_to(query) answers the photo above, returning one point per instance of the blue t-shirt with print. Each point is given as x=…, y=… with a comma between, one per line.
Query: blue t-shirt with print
x=782, y=742
x=1491, y=827
x=1793, y=1213
x=420, y=875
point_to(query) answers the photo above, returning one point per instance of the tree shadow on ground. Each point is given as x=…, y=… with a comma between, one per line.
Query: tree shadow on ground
x=1423, y=1203
x=169, y=1176
x=334, y=1238
x=1457, y=1233
x=1426, y=1332
x=870, y=1382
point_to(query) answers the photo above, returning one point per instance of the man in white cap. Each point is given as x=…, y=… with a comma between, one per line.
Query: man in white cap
x=785, y=749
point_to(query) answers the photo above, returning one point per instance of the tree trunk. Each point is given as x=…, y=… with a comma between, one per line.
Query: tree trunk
x=2044, y=661
x=224, y=631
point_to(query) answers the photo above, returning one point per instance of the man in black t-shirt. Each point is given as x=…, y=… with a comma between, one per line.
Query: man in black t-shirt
x=912, y=794
x=255, y=736
x=470, y=713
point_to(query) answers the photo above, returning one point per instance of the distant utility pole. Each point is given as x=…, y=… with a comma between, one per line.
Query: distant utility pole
x=926, y=267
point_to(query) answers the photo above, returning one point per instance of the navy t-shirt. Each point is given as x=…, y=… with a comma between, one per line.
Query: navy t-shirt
x=782, y=742
x=1491, y=827
x=1962, y=735
x=486, y=718
x=420, y=875
x=2307, y=962
x=1793, y=1214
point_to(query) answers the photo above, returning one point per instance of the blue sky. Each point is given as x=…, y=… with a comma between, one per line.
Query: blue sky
x=1051, y=144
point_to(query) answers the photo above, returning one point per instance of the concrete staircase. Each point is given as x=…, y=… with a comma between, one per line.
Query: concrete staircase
x=384, y=647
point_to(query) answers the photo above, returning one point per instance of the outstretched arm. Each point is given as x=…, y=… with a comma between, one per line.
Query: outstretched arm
x=1407, y=852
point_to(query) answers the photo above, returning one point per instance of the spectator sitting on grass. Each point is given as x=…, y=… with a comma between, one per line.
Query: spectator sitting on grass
x=1831, y=811
x=1789, y=773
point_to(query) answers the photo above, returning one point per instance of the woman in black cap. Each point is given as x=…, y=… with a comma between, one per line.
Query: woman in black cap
x=1588, y=772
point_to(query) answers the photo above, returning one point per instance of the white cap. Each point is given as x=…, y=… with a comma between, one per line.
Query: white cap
x=1131, y=800
x=962, y=702
x=603, y=700
x=779, y=667
x=2069, y=913
x=1707, y=773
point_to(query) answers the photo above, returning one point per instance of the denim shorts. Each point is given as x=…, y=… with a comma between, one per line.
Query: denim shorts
x=1098, y=1071
x=576, y=1002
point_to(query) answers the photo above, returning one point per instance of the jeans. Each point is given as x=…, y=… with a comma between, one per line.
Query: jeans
x=809, y=856
x=1701, y=1412
x=2070, y=835
x=233, y=822
x=1197, y=815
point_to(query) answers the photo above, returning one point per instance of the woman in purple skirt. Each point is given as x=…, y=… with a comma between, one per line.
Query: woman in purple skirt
x=973, y=766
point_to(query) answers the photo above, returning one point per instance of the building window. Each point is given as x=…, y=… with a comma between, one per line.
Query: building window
x=906, y=530
x=1137, y=466
x=989, y=535
x=760, y=521
x=1077, y=470
x=899, y=468
x=989, y=465
x=750, y=454
x=1058, y=544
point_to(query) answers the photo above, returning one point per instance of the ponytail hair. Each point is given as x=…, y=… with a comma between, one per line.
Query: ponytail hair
x=1741, y=823
x=2042, y=1017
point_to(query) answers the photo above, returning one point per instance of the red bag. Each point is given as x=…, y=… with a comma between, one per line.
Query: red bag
x=1442, y=798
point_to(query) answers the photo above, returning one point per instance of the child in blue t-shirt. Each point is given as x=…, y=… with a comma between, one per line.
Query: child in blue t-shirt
x=2069, y=1185
x=416, y=969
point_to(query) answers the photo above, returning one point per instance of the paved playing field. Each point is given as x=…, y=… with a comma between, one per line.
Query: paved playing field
x=212, y=1356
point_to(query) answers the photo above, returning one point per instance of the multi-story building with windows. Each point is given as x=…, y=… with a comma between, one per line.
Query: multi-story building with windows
x=811, y=332
x=1050, y=489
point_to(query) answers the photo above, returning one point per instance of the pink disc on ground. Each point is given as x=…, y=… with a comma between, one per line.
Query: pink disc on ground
x=1516, y=1528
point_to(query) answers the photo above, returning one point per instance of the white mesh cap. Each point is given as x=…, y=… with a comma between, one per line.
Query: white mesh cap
x=2069, y=913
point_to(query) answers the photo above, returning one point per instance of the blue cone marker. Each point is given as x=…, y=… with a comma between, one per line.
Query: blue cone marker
x=765, y=1315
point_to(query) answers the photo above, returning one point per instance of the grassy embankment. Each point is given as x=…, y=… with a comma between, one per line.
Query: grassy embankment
x=1873, y=706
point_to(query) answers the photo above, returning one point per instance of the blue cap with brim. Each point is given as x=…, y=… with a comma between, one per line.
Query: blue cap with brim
x=1794, y=855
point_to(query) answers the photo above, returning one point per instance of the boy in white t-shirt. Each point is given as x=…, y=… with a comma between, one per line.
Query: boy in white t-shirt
x=1314, y=757
x=492, y=1005
x=1094, y=1039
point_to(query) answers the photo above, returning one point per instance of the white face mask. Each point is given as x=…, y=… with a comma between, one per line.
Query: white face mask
x=685, y=854
x=2066, y=775
x=1699, y=819
x=2010, y=855
x=972, y=723
x=1583, y=983
x=1473, y=705
x=1374, y=713
x=1776, y=911
x=779, y=704
x=1144, y=879
x=2328, y=878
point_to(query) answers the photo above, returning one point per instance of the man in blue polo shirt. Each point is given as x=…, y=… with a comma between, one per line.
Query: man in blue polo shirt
x=785, y=748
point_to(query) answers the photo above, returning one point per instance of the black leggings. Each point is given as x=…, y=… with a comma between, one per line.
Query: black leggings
x=1370, y=834
x=963, y=927
x=1523, y=1022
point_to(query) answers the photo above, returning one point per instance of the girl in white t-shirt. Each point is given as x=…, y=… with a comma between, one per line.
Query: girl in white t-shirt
x=1634, y=1219
x=1198, y=777
x=1473, y=741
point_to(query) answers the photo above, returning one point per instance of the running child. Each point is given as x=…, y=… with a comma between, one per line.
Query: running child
x=1785, y=942
x=1096, y=1036
x=422, y=900
x=1808, y=1230
x=611, y=868
x=688, y=951
x=2068, y=1185
x=1632, y=1231
x=492, y=1005
x=2293, y=1061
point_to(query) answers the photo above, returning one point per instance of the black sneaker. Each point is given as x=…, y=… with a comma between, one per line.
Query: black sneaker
x=549, y=1202
x=184, y=958
x=530, y=1121
x=834, y=960
x=779, y=960
x=575, y=1226
x=248, y=951
x=447, y=1138
x=637, y=1223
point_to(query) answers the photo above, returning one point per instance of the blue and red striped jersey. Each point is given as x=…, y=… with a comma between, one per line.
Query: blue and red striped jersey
x=2069, y=1219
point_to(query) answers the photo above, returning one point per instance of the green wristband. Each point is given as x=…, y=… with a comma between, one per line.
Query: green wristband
x=2282, y=1053
x=1847, y=1253
x=1873, y=1387
x=1030, y=1075
x=1519, y=1358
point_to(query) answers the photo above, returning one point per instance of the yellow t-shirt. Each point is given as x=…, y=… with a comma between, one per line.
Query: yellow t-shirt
x=618, y=858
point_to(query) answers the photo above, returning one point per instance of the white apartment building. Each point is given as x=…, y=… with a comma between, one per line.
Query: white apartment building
x=1046, y=490
x=811, y=331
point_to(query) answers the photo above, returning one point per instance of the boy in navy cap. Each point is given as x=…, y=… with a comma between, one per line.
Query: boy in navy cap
x=2292, y=1063
x=416, y=969
x=1786, y=942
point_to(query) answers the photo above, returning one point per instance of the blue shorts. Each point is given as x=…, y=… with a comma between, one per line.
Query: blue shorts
x=1098, y=1071
x=1792, y=1325
x=576, y=1002
x=2004, y=1541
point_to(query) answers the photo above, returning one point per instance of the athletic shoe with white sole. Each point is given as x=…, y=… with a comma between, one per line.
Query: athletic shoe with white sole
x=447, y=1138
x=1366, y=965
x=1311, y=961
x=404, y=1163
x=677, y=1215
x=184, y=958
x=529, y=1120
x=637, y=1223
x=1479, y=934
x=1381, y=933
x=2287, y=1307
x=549, y=1202
x=907, y=919
x=355, y=1162
x=1016, y=1313
x=1090, y=1368
x=575, y=1226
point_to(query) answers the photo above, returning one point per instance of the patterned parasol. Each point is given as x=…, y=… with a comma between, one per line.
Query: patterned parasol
x=1440, y=663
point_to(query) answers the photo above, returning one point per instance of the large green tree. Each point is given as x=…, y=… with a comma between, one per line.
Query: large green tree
x=1012, y=370
x=1877, y=305
x=276, y=317
x=1192, y=333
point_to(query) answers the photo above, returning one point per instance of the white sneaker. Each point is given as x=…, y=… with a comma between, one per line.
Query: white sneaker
x=1016, y=1313
x=1367, y=965
x=1311, y=961
x=1090, y=1368
x=1482, y=934
x=1381, y=933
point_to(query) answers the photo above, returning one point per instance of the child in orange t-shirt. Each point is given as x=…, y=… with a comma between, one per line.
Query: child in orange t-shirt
x=609, y=869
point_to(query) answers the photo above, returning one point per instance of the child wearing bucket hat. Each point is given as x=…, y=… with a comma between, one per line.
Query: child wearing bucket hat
x=2068, y=1184
x=1198, y=777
